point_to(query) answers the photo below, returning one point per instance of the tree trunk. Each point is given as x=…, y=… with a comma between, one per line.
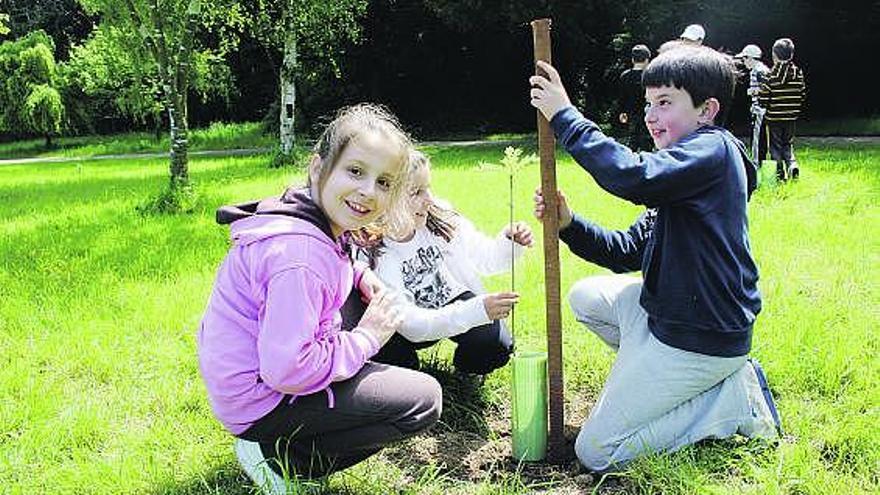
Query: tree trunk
x=288, y=94
x=179, y=140
x=157, y=125
x=48, y=141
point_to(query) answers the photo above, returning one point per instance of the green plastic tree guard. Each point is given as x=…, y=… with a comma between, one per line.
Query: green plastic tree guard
x=529, y=430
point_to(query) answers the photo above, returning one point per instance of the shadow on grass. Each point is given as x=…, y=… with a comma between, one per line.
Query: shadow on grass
x=25, y=195
x=99, y=251
x=227, y=479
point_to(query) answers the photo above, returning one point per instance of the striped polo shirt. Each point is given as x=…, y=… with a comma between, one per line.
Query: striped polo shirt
x=782, y=92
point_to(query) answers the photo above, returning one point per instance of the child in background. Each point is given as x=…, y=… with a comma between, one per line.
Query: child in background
x=280, y=375
x=436, y=265
x=782, y=95
x=682, y=333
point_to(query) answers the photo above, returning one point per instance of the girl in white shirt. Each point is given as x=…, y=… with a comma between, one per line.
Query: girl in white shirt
x=436, y=265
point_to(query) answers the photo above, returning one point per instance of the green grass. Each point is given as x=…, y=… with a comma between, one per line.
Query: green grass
x=225, y=136
x=853, y=126
x=100, y=392
x=217, y=136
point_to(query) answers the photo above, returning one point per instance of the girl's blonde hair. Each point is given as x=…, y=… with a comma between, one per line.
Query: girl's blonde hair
x=352, y=122
x=440, y=220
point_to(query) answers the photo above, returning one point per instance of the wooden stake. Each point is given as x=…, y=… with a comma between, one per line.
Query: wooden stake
x=547, y=150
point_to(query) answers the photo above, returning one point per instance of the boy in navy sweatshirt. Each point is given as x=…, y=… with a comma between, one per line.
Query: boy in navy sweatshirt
x=683, y=331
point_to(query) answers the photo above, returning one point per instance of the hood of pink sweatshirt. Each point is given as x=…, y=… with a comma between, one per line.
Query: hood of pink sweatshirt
x=272, y=325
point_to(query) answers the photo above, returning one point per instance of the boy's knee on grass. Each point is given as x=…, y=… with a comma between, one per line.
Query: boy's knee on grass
x=593, y=449
x=585, y=299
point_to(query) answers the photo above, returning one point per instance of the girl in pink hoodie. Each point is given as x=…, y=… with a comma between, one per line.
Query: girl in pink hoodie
x=301, y=395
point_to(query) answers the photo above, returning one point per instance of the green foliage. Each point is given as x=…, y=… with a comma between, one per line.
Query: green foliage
x=165, y=36
x=29, y=100
x=44, y=110
x=514, y=161
x=212, y=76
x=37, y=64
x=320, y=28
x=63, y=20
x=109, y=80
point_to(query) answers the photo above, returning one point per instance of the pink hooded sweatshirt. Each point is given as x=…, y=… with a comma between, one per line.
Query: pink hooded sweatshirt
x=272, y=325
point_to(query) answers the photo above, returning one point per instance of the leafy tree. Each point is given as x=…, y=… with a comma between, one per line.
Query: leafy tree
x=162, y=36
x=104, y=81
x=64, y=21
x=44, y=110
x=29, y=101
x=316, y=28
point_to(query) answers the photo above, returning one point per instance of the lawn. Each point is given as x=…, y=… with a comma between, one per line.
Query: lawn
x=100, y=392
x=217, y=136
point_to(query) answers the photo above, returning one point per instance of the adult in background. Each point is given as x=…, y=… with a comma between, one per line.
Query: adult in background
x=758, y=72
x=632, y=101
x=692, y=35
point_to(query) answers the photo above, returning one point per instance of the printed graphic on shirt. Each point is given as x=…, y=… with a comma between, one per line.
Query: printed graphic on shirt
x=425, y=277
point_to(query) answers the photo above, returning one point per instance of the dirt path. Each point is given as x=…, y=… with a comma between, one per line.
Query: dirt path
x=135, y=156
x=827, y=140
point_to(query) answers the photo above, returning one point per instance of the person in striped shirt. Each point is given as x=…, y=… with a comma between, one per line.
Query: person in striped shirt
x=782, y=95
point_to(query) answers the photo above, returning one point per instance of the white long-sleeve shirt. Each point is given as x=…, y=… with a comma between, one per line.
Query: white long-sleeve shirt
x=430, y=272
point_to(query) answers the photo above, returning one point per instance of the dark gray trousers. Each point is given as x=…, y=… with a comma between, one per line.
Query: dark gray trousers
x=379, y=405
x=781, y=150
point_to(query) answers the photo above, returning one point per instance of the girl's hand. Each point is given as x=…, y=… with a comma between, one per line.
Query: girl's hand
x=383, y=317
x=520, y=233
x=499, y=304
x=565, y=214
x=548, y=94
x=370, y=285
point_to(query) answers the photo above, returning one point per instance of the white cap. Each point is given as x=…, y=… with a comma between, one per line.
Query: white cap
x=751, y=51
x=694, y=32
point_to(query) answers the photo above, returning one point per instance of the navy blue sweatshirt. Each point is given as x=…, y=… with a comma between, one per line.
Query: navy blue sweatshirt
x=692, y=245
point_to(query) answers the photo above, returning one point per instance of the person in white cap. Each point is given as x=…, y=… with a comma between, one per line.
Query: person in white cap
x=693, y=35
x=751, y=58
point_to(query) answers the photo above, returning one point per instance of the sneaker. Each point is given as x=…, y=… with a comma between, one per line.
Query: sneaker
x=255, y=465
x=780, y=172
x=795, y=172
x=768, y=397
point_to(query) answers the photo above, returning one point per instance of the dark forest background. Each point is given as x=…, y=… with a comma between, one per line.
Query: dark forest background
x=460, y=67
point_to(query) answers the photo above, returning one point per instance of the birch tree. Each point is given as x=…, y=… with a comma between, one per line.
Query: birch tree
x=163, y=34
x=317, y=27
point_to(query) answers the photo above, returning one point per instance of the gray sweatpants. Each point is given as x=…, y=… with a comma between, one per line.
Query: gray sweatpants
x=658, y=398
x=379, y=405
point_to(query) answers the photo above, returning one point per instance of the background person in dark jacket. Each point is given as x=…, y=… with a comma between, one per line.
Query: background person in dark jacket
x=632, y=101
x=782, y=94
